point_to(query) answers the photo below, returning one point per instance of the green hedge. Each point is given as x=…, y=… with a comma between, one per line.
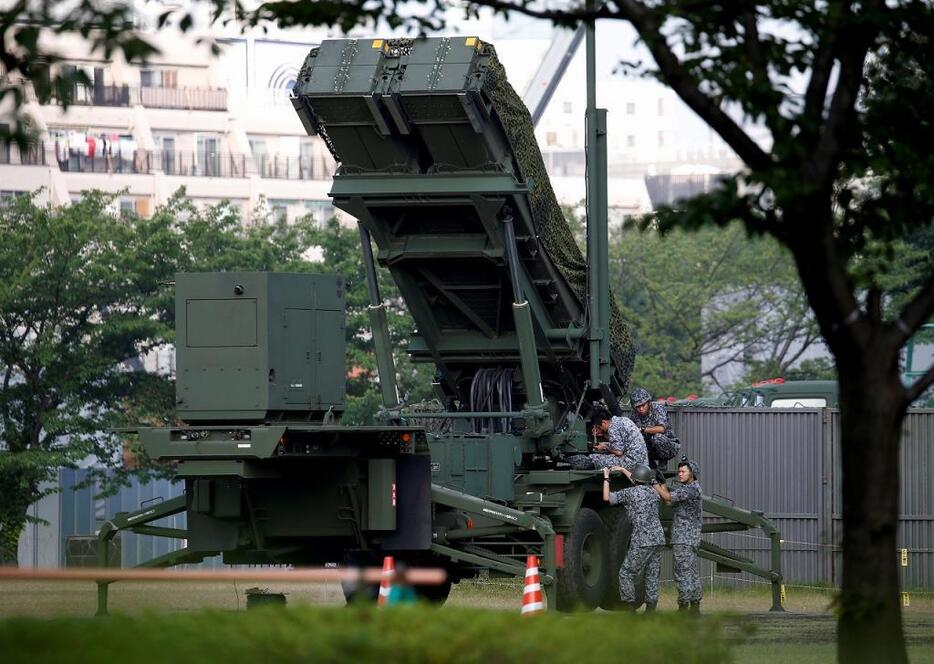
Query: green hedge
x=409, y=634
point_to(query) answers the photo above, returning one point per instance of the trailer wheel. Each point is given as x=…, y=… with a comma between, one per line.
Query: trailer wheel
x=619, y=530
x=434, y=594
x=583, y=579
x=363, y=593
x=358, y=592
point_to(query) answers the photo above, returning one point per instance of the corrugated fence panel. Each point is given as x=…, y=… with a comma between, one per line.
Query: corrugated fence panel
x=762, y=459
x=83, y=514
x=783, y=462
x=916, y=530
x=916, y=499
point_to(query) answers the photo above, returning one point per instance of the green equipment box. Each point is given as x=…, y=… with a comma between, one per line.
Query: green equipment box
x=255, y=346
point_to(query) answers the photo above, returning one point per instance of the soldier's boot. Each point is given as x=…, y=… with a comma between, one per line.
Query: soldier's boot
x=695, y=607
x=650, y=607
x=683, y=606
x=628, y=607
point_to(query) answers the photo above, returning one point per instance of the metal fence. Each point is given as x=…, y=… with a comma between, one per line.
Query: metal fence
x=292, y=168
x=192, y=99
x=135, y=161
x=203, y=164
x=83, y=513
x=31, y=155
x=786, y=463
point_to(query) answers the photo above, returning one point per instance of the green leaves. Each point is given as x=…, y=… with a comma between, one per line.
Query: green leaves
x=84, y=291
x=710, y=295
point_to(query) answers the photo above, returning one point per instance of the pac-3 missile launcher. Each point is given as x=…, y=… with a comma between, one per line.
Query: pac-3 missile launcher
x=439, y=166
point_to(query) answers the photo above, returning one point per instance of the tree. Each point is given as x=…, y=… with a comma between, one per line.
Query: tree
x=845, y=177
x=83, y=292
x=711, y=294
x=340, y=246
x=843, y=91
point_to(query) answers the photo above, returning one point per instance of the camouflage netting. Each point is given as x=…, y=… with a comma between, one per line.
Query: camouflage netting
x=552, y=227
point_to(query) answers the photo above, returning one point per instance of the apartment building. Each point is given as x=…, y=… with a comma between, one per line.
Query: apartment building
x=222, y=127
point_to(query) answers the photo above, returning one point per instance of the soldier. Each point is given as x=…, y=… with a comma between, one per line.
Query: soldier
x=685, y=500
x=652, y=420
x=647, y=538
x=625, y=446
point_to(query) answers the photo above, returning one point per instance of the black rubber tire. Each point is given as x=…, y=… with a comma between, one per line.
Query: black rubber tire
x=365, y=593
x=583, y=579
x=362, y=593
x=434, y=594
x=618, y=530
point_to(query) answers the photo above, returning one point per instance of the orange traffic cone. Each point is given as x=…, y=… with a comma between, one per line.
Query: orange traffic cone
x=389, y=569
x=532, y=603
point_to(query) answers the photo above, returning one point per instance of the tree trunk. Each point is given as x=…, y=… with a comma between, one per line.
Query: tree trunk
x=18, y=491
x=10, y=530
x=871, y=414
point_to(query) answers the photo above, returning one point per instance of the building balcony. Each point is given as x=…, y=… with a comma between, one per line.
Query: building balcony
x=204, y=164
x=137, y=161
x=32, y=155
x=190, y=99
x=99, y=95
x=291, y=168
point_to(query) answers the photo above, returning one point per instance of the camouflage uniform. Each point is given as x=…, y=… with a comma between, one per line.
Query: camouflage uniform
x=661, y=446
x=645, y=542
x=685, y=538
x=624, y=437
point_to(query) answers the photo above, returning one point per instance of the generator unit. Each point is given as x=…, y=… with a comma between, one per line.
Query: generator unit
x=259, y=346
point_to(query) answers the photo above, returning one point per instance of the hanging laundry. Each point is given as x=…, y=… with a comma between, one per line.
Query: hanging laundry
x=127, y=147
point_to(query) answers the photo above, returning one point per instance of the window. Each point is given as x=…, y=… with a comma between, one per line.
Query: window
x=207, y=156
x=260, y=151
x=166, y=146
x=661, y=139
x=551, y=138
x=630, y=141
x=158, y=78
x=568, y=107
x=321, y=211
x=9, y=197
x=800, y=402
x=661, y=106
x=630, y=108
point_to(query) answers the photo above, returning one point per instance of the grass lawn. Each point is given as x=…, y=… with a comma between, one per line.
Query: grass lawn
x=804, y=634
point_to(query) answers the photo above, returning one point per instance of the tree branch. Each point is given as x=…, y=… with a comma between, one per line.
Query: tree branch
x=917, y=388
x=753, y=44
x=821, y=69
x=647, y=24
x=874, y=304
x=913, y=315
x=822, y=168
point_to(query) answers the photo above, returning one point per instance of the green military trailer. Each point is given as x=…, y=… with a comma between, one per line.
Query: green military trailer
x=772, y=393
x=439, y=167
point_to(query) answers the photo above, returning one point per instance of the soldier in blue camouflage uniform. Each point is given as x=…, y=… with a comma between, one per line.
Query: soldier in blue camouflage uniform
x=647, y=538
x=685, y=501
x=625, y=446
x=652, y=420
